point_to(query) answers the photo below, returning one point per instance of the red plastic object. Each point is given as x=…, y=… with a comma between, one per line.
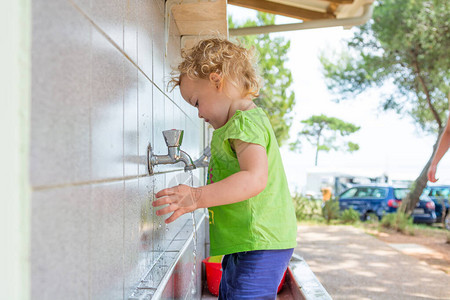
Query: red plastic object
x=282, y=282
x=214, y=275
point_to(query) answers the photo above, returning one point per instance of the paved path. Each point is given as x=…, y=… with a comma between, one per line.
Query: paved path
x=353, y=265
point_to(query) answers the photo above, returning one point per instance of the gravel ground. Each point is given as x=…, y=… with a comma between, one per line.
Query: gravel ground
x=351, y=264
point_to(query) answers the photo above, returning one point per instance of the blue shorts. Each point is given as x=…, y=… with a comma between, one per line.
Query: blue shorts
x=253, y=274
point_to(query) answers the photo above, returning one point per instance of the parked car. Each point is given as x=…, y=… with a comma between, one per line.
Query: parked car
x=440, y=195
x=377, y=200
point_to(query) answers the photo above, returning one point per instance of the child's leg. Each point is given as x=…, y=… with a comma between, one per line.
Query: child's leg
x=253, y=274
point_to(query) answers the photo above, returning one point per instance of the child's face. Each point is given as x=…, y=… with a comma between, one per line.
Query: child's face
x=208, y=98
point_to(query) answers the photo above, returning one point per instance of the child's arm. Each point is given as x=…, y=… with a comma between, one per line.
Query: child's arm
x=444, y=144
x=248, y=182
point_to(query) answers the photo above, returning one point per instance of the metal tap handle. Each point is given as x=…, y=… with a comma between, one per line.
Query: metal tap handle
x=173, y=137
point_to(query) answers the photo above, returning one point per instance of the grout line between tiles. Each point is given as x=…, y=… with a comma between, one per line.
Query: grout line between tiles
x=109, y=180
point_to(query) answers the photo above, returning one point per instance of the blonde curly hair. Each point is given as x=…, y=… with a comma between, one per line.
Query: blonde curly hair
x=234, y=63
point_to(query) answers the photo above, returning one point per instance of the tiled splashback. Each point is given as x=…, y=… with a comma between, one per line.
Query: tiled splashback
x=99, y=75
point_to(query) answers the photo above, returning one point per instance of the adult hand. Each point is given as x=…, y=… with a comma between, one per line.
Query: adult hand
x=432, y=173
x=181, y=199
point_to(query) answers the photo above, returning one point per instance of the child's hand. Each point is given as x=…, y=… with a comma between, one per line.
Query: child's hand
x=181, y=199
x=432, y=173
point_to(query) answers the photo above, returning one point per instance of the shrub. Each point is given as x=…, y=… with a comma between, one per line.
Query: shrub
x=330, y=210
x=388, y=220
x=372, y=218
x=306, y=208
x=350, y=216
x=397, y=221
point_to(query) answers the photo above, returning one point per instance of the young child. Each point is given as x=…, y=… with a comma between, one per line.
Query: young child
x=251, y=214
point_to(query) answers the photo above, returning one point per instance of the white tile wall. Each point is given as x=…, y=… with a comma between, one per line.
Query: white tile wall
x=109, y=16
x=130, y=29
x=106, y=242
x=61, y=79
x=145, y=26
x=60, y=239
x=99, y=96
x=136, y=208
x=106, y=109
x=145, y=118
x=130, y=119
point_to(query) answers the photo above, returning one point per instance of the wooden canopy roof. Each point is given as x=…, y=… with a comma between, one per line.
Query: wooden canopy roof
x=195, y=18
x=306, y=10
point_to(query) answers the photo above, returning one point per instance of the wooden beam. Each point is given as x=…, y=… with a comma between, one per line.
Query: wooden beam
x=282, y=9
x=339, y=1
x=201, y=18
x=332, y=8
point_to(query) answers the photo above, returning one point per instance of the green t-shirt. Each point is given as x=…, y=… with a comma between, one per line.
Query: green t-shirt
x=266, y=221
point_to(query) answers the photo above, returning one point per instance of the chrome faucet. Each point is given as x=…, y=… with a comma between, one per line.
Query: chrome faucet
x=203, y=161
x=173, y=140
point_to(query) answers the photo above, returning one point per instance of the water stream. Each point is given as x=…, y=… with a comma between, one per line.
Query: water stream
x=194, y=237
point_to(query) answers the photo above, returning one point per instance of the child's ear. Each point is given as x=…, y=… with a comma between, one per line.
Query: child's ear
x=216, y=79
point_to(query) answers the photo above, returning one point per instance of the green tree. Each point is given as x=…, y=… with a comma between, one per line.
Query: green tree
x=404, y=47
x=322, y=132
x=276, y=97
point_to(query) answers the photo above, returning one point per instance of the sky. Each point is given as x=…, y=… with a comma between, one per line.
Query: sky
x=389, y=143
